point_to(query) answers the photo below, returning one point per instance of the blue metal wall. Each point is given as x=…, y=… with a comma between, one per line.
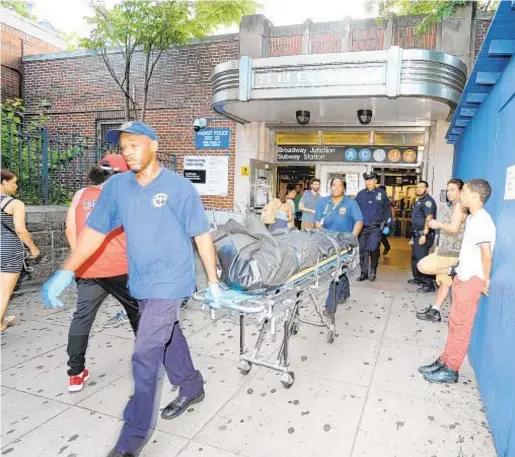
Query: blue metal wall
x=485, y=150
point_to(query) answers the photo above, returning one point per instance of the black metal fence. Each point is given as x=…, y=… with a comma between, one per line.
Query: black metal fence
x=51, y=166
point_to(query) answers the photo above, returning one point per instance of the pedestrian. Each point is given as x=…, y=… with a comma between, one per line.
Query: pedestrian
x=338, y=213
x=299, y=189
x=422, y=237
x=160, y=212
x=291, y=193
x=445, y=257
x=14, y=238
x=284, y=217
x=471, y=281
x=104, y=273
x=308, y=204
x=375, y=207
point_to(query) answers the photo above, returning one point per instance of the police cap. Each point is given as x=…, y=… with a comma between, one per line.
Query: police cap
x=369, y=175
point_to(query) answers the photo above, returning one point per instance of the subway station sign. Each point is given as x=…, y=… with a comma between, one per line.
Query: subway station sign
x=351, y=154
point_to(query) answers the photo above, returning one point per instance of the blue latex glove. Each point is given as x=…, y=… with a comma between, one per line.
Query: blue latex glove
x=213, y=295
x=55, y=287
x=386, y=231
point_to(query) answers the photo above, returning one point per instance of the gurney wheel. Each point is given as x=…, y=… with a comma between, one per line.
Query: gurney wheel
x=244, y=367
x=287, y=379
x=330, y=336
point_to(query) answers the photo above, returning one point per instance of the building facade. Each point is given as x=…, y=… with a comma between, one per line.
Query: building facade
x=354, y=64
x=22, y=37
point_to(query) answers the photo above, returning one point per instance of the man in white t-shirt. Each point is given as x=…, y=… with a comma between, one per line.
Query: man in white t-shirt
x=472, y=280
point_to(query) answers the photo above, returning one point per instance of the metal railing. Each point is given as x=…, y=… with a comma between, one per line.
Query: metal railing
x=52, y=166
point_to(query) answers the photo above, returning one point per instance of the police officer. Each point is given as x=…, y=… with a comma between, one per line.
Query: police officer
x=160, y=212
x=375, y=207
x=423, y=237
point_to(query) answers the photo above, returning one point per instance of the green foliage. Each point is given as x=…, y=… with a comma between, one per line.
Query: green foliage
x=18, y=6
x=22, y=146
x=432, y=10
x=154, y=26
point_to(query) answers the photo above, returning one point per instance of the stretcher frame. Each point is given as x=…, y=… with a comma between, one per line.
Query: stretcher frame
x=284, y=304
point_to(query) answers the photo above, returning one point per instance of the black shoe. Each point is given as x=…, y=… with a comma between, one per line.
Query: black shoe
x=436, y=365
x=373, y=274
x=414, y=281
x=115, y=453
x=444, y=375
x=430, y=314
x=181, y=404
x=362, y=277
x=426, y=289
x=386, y=251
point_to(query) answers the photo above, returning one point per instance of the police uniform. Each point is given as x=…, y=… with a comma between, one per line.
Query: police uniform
x=423, y=207
x=338, y=218
x=375, y=207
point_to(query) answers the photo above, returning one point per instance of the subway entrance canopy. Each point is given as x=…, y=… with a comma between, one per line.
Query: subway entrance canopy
x=401, y=87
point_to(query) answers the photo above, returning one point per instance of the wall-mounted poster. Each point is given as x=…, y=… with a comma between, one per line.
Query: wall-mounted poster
x=209, y=174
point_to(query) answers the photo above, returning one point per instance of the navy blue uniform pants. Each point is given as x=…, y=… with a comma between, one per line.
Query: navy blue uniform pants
x=338, y=293
x=418, y=252
x=369, y=242
x=160, y=344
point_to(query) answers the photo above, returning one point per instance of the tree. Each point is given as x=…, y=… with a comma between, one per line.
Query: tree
x=18, y=6
x=151, y=27
x=433, y=10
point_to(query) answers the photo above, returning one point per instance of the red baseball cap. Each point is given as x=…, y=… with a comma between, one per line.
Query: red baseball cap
x=115, y=163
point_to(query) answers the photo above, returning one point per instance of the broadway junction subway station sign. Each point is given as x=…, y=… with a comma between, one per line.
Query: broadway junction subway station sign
x=379, y=155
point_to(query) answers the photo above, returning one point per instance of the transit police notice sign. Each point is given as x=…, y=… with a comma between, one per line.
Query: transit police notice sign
x=213, y=138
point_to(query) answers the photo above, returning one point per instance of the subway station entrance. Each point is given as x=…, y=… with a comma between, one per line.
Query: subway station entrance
x=302, y=117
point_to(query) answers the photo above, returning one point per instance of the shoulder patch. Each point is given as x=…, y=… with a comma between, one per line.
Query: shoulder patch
x=429, y=204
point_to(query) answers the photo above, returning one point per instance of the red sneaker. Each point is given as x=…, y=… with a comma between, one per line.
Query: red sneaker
x=77, y=381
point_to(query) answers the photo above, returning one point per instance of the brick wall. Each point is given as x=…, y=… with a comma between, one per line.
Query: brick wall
x=16, y=44
x=82, y=93
x=405, y=37
x=285, y=46
x=482, y=26
x=322, y=43
x=371, y=39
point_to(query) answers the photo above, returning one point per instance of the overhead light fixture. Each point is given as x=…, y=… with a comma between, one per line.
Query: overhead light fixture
x=364, y=116
x=303, y=117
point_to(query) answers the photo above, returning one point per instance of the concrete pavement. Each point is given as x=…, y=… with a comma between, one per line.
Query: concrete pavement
x=360, y=397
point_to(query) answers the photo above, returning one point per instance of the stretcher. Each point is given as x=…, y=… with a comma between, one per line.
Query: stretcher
x=286, y=305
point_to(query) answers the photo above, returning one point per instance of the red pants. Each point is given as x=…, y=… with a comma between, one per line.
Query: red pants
x=465, y=298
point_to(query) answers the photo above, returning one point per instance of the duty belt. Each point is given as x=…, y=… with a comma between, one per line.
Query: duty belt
x=374, y=225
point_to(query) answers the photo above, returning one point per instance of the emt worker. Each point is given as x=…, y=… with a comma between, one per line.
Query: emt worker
x=446, y=256
x=423, y=237
x=104, y=273
x=472, y=280
x=160, y=211
x=375, y=207
x=338, y=213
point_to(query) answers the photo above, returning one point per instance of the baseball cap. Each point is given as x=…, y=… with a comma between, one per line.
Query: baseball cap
x=136, y=127
x=369, y=175
x=114, y=163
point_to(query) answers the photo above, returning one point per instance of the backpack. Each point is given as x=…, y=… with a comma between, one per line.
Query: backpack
x=269, y=211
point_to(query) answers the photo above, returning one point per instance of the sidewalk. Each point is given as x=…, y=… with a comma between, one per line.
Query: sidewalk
x=360, y=397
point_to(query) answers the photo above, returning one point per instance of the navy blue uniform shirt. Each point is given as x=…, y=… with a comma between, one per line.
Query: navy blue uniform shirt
x=339, y=218
x=423, y=207
x=374, y=205
x=159, y=221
